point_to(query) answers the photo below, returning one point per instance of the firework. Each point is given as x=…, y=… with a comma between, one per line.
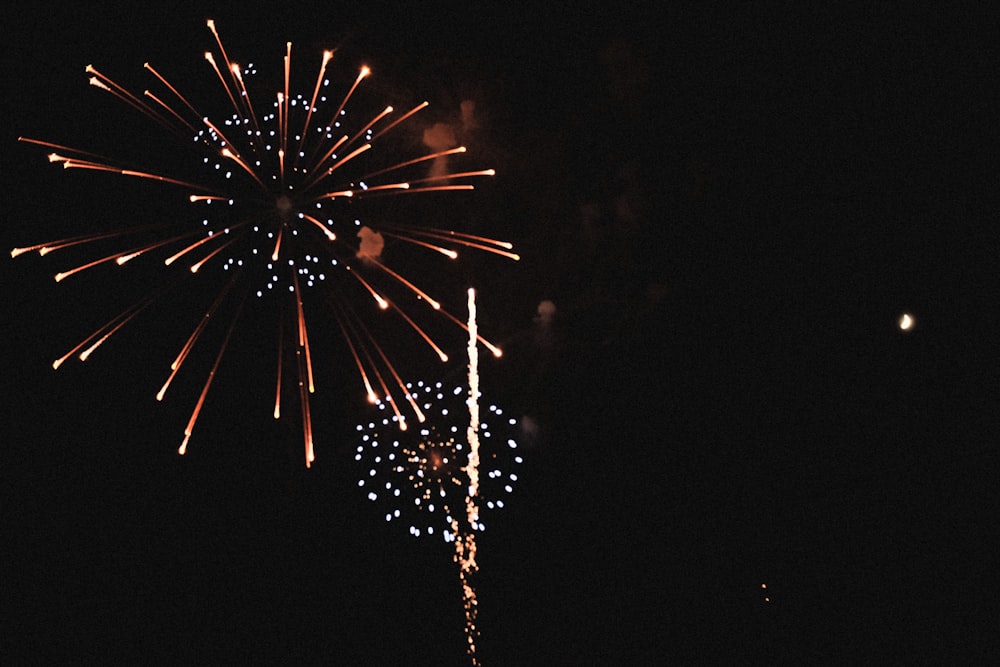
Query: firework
x=435, y=474
x=419, y=476
x=276, y=211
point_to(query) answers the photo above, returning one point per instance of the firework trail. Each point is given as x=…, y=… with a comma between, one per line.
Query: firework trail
x=465, y=540
x=277, y=196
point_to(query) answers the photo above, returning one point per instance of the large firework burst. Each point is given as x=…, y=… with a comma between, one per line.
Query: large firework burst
x=277, y=208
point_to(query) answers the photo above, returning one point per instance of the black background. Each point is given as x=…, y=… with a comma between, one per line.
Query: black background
x=730, y=211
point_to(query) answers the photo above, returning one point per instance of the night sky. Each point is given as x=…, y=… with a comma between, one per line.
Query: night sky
x=729, y=211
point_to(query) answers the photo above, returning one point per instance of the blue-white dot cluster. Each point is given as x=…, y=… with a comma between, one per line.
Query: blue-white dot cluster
x=256, y=144
x=419, y=475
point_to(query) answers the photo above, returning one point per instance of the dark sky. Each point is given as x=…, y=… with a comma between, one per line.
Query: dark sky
x=729, y=211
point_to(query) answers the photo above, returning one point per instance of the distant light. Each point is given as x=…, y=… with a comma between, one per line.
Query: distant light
x=906, y=322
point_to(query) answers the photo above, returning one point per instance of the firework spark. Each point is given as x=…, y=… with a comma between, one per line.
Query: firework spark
x=277, y=197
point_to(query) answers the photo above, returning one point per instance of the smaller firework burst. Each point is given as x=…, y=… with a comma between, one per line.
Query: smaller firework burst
x=419, y=475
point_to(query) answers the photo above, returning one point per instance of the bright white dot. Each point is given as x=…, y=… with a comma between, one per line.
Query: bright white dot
x=906, y=322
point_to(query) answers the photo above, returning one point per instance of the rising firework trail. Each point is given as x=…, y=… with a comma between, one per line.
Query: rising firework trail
x=278, y=213
x=465, y=536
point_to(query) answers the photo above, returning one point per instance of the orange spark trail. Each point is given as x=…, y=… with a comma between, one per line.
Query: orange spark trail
x=172, y=89
x=49, y=144
x=432, y=156
x=468, y=240
x=105, y=331
x=277, y=390
x=62, y=275
x=370, y=393
x=423, y=334
x=450, y=254
x=104, y=83
x=215, y=66
x=464, y=174
x=497, y=352
x=399, y=120
x=175, y=366
x=185, y=250
x=303, y=333
x=208, y=383
x=382, y=303
x=362, y=73
x=327, y=55
x=416, y=290
x=50, y=246
x=169, y=109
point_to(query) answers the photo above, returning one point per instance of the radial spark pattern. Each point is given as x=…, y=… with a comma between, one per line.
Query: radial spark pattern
x=275, y=209
x=419, y=476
